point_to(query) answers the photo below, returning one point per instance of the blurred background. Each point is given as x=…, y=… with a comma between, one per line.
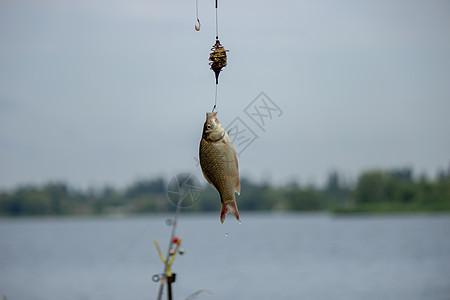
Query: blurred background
x=103, y=102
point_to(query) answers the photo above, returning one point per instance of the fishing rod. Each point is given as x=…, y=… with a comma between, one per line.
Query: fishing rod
x=168, y=260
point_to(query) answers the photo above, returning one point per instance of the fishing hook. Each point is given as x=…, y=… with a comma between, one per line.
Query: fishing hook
x=197, y=26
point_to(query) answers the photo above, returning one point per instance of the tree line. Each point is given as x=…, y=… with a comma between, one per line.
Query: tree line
x=395, y=190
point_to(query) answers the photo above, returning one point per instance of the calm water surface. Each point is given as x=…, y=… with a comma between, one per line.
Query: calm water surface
x=294, y=256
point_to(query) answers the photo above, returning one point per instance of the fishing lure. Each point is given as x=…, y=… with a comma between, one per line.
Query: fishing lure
x=218, y=58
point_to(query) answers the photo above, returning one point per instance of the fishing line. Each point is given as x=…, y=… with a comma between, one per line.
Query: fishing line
x=217, y=23
x=215, y=100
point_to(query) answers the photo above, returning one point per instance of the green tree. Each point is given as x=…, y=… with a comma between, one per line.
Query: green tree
x=371, y=187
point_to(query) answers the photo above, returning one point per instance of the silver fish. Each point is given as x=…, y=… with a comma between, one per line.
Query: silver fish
x=219, y=164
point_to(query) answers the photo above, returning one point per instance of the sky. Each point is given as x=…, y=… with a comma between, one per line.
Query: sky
x=100, y=92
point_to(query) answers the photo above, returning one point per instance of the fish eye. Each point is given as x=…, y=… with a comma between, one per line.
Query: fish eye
x=208, y=126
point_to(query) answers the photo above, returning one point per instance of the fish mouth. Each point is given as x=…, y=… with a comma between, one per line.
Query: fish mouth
x=210, y=115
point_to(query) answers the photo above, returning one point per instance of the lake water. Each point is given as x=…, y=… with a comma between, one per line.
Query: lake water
x=292, y=256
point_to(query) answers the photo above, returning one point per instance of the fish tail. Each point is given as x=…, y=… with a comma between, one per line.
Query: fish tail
x=229, y=208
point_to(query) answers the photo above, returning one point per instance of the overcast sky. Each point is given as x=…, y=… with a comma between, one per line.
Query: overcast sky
x=97, y=92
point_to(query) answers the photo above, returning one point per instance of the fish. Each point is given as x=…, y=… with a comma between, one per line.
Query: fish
x=219, y=164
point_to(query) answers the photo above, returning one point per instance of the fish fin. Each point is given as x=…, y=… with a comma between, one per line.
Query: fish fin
x=229, y=208
x=227, y=141
x=237, y=187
